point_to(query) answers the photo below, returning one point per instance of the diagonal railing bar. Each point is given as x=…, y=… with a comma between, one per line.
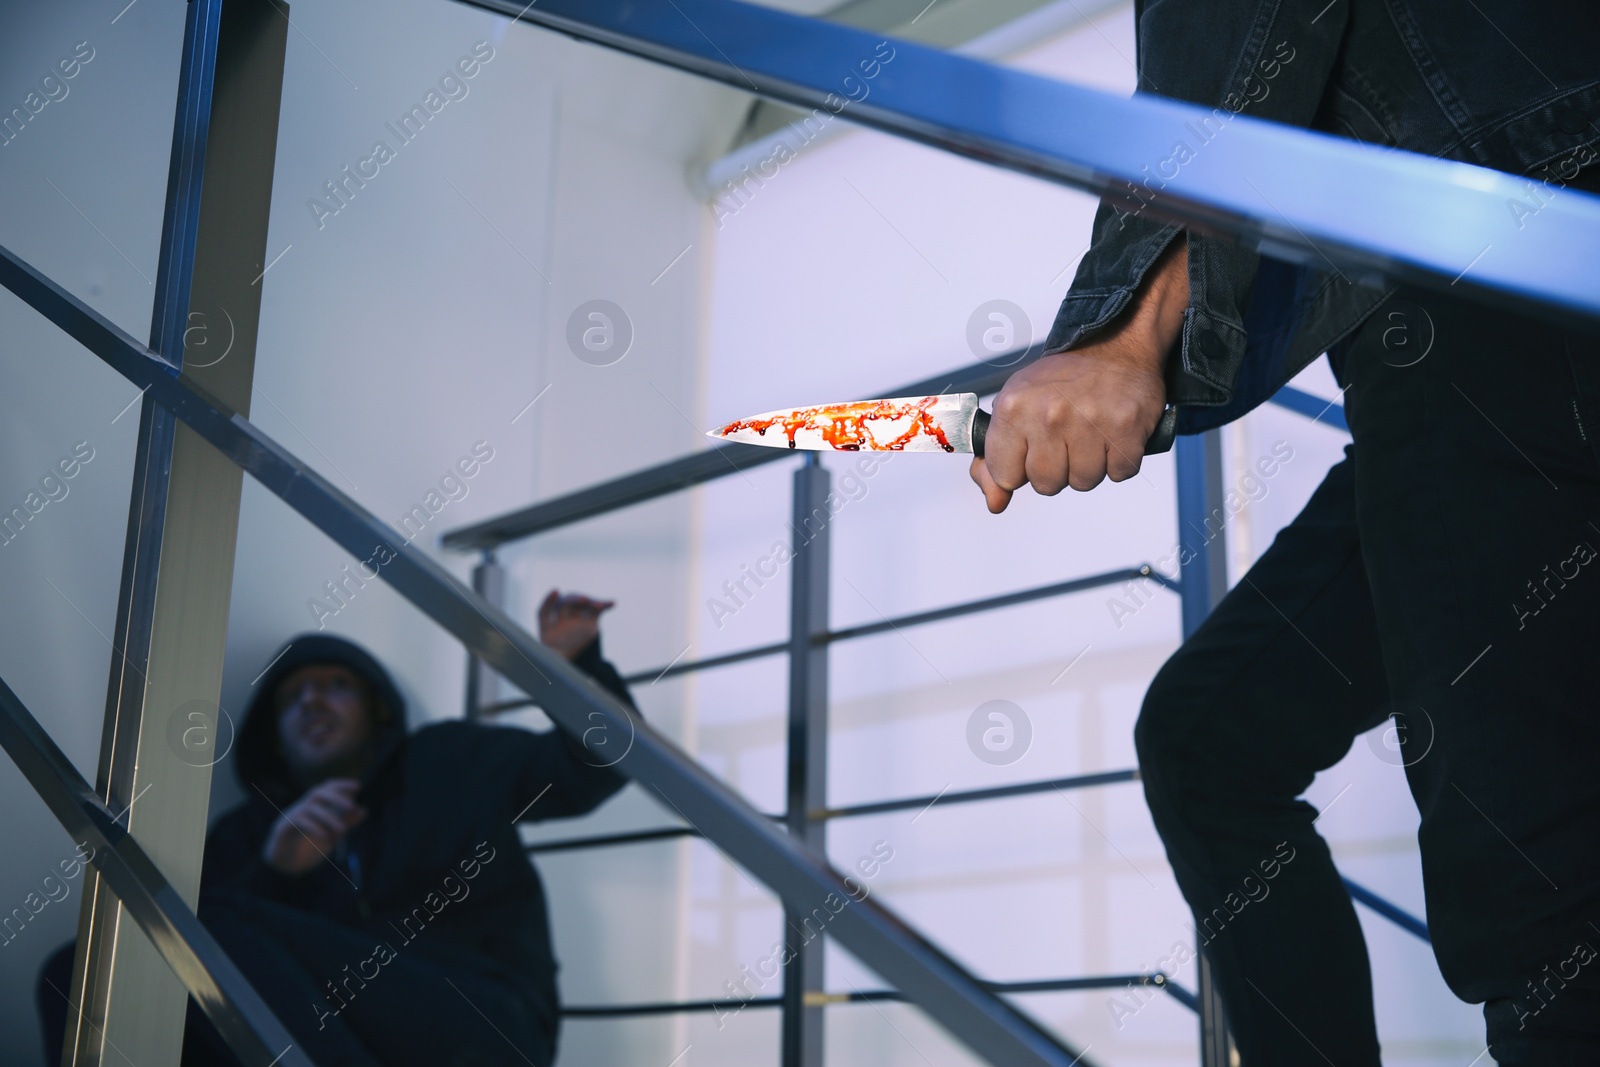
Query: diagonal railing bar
x=721, y=461
x=1005, y=600
x=233, y=1006
x=878, y=807
x=685, y=473
x=1156, y=980
x=920, y=618
x=707, y=465
x=672, y=670
x=1388, y=910
x=1381, y=906
x=1292, y=193
x=940, y=986
x=1327, y=412
x=997, y=792
x=631, y=837
x=724, y=1008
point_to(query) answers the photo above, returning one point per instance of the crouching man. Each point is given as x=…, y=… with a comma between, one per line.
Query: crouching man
x=372, y=886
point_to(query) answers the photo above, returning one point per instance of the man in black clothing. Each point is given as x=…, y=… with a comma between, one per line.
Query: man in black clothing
x=1441, y=573
x=373, y=886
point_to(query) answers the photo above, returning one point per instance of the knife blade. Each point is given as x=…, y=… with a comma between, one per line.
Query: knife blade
x=946, y=422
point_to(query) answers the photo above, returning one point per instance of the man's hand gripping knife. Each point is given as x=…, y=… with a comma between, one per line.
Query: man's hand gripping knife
x=1078, y=417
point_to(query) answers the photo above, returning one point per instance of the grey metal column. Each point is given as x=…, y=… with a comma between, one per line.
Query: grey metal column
x=1203, y=579
x=808, y=752
x=483, y=684
x=163, y=722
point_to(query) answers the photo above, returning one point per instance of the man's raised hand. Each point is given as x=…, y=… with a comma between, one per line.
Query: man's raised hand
x=568, y=623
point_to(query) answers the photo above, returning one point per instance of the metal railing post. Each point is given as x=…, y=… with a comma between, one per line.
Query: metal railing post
x=808, y=753
x=1203, y=579
x=163, y=722
x=483, y=684
x=1203, y=560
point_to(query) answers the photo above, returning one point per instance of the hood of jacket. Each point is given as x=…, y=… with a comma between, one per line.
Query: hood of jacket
x=259, y=761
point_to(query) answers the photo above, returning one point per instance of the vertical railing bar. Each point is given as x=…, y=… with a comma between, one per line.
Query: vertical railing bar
x=807, y=782
x=1203, y=579
x=1203, y=564
x=483, y=683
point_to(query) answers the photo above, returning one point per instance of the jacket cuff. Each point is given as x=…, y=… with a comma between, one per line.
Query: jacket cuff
x=1206, y=360
x=592, y=662
x=1121, y=253
x=589, y=659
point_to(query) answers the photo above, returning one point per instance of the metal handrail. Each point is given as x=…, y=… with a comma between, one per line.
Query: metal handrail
x=880, y=807
x=1157, y=979
x=994, y=792
x=918, y=618
x=706, y=465
x=630, y=837
x=1389, y=910
x=1005, y=600
x=1380, y=905
x=722, y=461
x=1328, y=412
x=1309, y=197
x=223, y=993
x=937, y=983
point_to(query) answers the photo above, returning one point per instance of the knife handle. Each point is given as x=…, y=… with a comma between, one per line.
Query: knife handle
x=1160, y=441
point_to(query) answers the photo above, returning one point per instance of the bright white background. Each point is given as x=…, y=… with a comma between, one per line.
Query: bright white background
x=428, y=313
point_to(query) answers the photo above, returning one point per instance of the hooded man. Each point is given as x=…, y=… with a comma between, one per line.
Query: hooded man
x=373, y=886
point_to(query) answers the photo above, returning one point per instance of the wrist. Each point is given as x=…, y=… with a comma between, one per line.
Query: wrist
x=1166, y=295
x=1152, y=324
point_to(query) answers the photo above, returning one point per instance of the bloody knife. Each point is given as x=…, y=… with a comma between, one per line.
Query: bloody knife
x=948, y=422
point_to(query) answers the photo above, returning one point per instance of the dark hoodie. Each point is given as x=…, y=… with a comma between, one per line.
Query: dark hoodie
x=437, y=864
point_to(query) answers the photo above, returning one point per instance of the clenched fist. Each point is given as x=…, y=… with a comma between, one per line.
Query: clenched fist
x=1078, y=417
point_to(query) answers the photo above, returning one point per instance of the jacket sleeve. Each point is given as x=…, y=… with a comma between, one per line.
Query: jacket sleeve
x=1259, y=58
x=567, y=777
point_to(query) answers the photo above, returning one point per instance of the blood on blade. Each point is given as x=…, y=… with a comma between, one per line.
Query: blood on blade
x=844, y=426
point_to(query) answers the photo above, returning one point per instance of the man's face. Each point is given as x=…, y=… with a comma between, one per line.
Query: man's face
x=323, y=721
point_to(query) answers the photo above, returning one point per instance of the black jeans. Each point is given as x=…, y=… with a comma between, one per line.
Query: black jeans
x=409, y=1010
x=1445, y=572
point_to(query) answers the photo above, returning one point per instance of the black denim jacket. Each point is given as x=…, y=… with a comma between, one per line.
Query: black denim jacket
x=1508, y=84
